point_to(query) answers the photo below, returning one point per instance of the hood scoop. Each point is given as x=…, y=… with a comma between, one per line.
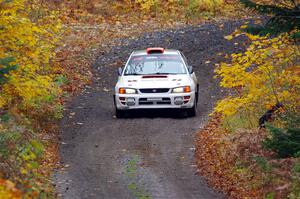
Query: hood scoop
x=154, y=76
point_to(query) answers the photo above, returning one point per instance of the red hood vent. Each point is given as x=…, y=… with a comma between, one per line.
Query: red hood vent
x=154, y=76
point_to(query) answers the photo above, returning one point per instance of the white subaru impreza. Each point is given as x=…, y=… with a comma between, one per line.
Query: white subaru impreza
x=156, y=78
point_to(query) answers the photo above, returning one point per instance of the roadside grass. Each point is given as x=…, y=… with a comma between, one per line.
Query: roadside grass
x=131, y=171
x=243, y=119
x=295, y=193
x=25, y=152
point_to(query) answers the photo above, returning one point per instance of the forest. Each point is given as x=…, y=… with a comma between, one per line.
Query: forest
x=249, y=148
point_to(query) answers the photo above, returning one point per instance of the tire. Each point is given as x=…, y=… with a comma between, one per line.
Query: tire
x=197, y=94
x=192, y=112
x=120, y=113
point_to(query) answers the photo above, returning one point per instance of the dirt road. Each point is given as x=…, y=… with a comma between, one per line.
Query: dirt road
x=150, y=154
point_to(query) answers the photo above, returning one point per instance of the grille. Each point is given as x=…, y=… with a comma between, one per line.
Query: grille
x=163, y=101
x=155, y=90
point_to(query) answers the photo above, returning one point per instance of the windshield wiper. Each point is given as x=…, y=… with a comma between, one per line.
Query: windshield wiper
x=133, y=74
x=160, y=73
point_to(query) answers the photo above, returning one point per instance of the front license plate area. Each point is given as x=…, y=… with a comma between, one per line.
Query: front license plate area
x=154, y=99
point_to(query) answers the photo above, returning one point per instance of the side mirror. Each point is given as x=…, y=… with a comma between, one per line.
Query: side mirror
x=190, y=68
x=120, y=71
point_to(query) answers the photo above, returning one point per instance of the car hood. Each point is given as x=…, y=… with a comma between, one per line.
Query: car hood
x=155, y=81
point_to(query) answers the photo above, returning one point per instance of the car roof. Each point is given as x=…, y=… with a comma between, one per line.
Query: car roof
x=166, y=52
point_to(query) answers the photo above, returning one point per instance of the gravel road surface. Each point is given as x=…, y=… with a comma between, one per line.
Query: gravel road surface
x=150, y=154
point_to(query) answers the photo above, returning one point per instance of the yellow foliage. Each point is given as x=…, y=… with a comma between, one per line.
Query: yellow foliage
x=195, y=5
x=146, y=5
x=267, y=73
x=8, y=190
x=229, y=37
x=29, y=35
x=209, y=5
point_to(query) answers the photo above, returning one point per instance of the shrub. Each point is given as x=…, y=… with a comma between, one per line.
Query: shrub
x=192, y=6
x=29, y=90
x=209, y=5
x=285, y=142
x=285, y=15
x=147, y=5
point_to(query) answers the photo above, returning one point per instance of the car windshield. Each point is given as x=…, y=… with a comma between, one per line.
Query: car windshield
x=155, y=64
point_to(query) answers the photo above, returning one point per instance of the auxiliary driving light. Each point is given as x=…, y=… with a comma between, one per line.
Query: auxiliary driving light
x=130, y=101
x=178, y=100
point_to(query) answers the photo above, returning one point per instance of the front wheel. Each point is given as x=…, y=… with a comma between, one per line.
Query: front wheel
x=120, y=113
x=192, y=112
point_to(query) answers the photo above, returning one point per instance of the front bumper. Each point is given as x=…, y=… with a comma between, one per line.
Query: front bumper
x=154, y=101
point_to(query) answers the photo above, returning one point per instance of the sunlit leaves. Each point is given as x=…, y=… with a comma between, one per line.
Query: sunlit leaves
x=29, y=35
x=262, y=76
x=31, y=43
x=229, y=37
x=8, y=190
x=146, y=5
x=192, y=6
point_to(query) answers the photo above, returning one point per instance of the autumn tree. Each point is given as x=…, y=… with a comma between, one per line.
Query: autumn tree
x=267, y=73
x=28, y=40
x=29, y=36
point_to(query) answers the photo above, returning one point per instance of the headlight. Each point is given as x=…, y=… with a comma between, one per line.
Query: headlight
x=127, y=91
x=185, y=89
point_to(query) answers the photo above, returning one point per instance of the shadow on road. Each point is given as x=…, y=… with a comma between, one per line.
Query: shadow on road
x=152, y=113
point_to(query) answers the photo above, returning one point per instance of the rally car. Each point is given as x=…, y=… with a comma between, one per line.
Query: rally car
x=156, y=78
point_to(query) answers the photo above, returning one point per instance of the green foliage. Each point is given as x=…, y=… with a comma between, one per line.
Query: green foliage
x=4, y=118
x=29, y=153
x=285, y=16
x=6, y=65
x=7, y=141
x=58, y=111
x=20, y=155
x=194, y=7
x=296, y=168
x=134, y=186
x=191, y=8
x=263, y=163
x=296, y=35
x=290, y=119
x=295, y=193
x=270, y=195
x=61, y=80
x=21, y=152
x=285, y=142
